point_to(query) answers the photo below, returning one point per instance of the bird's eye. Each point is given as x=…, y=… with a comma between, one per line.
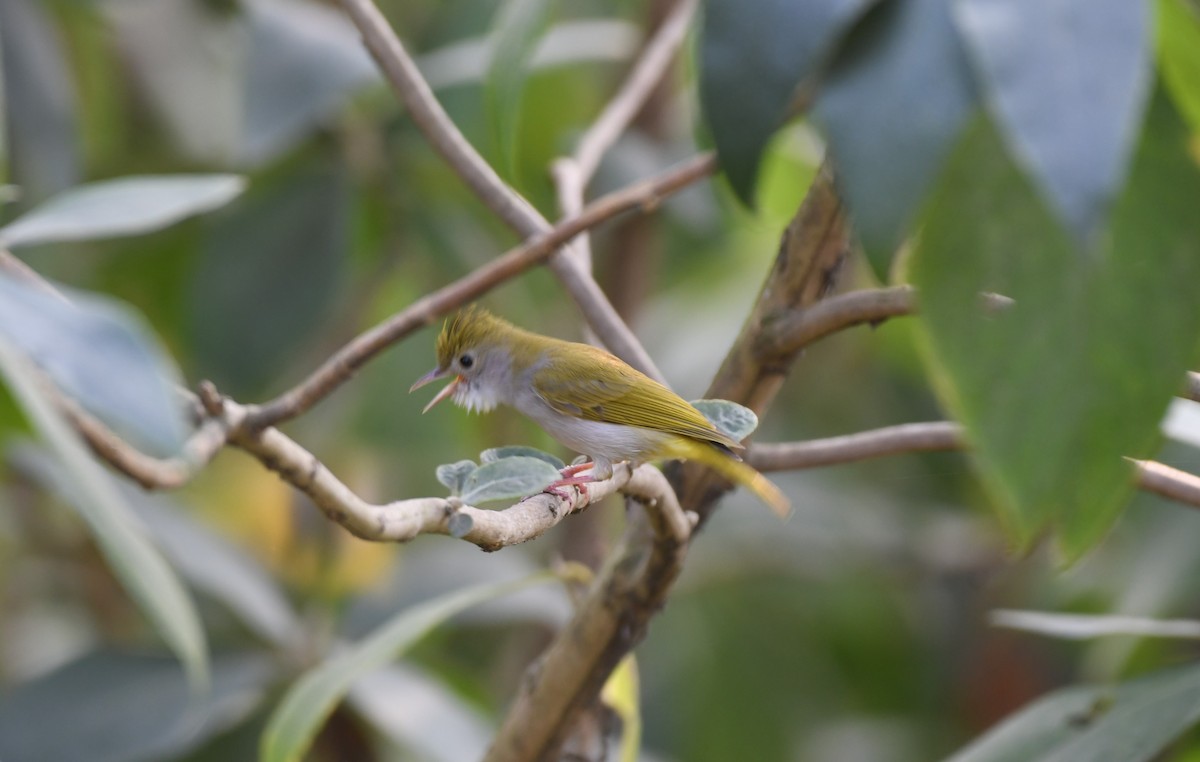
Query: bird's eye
x=466, y=361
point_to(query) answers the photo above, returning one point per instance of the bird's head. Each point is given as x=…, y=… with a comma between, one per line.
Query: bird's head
x=475, y=347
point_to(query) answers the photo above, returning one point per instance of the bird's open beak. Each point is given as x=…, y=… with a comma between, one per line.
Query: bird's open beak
x=430, y=377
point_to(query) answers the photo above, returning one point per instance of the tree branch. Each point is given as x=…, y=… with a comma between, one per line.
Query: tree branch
x=572, y=174
x=343, y=363
x=441, y=132
x=1151, y=475
x=891, y=440
x=613, y=618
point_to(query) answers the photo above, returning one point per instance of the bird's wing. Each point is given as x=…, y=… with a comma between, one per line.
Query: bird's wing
x=596, y=386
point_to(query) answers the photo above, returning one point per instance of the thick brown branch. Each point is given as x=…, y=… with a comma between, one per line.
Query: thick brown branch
x=441, y=132
x=342, y=365
x=610, y=621
x=810, y=256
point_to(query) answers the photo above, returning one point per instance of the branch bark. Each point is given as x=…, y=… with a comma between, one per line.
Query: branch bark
x=441, y=132
x=342, y=364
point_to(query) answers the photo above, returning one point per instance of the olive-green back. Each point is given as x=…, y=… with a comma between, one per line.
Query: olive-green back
x=596, y=386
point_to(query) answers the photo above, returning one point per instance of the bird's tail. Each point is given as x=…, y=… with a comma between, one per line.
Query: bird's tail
x=727, y=464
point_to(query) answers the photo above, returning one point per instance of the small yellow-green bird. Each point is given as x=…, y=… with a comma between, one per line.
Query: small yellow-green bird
x=585, y=398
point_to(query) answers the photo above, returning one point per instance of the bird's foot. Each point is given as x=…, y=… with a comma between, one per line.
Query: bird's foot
x=572, y=479
x=570, y=471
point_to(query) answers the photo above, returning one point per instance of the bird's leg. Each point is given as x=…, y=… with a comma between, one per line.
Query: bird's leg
x=571, y=478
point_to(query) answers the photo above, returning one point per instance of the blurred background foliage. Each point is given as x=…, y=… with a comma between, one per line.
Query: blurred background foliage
x=857, y=631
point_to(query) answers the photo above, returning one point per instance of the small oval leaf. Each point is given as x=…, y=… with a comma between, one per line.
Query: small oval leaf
x=452, y=475
x=509, y=478
x=125, y=206
x=737, y=421
x=512, y=451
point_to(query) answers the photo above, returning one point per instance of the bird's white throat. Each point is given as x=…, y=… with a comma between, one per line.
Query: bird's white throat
x=476, y=397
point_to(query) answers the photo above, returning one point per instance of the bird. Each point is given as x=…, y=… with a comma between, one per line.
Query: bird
x=585, y=398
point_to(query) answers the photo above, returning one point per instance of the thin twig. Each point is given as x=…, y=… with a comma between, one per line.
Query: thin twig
x=343, y=363
x=645, y=75
x=891, y=440
x=441, y=132
x=572, y=174
x=799, y=328
x=1151, y=475
x=1168, y=482
x=1193, y=386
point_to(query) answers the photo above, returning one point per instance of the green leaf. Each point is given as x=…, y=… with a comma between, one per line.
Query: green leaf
x=113, y=706
x=1058, y=387
x=41, y=125
x=738, y=421
x=312, y=698
x=125, y=206
x=304, y=59
x=500, y=453
x=1179, y=56
x=270, y=270
x=454, y=475
x=512, y=477
x=517, y=27
x=754, y=56
x=894, y=103
x=121, y=538
x=208, y=561
x=1073, y=130
x=1130, y=723
x=100, y=353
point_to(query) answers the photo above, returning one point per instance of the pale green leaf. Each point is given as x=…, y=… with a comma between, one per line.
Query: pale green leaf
x=121, y=538
x=311, y=699
x=514, y=477
x=120, y=207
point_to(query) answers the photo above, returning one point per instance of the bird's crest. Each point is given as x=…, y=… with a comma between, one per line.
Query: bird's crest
x=468, y=328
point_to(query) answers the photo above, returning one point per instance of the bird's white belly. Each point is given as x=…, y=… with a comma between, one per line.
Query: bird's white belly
x=605, y=443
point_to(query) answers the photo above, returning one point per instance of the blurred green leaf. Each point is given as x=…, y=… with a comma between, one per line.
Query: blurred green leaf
x=738, y=421
x=1058, y=387
x=113, y=706
x=268, y=274
x=895, y=100
x=1132, y=722
x=1179, y=55
x=204, y=558
x=1074, y=131
x=421, y=714
x=37, y=101
x=500, y=453
x=121, y=538
x=454, y=475
x=312, y=698
x=517, y=28
x=125, y=206
x=518, y=476
x=100, y=353
x=188, y=61
x=754, y=56
x=304, y=59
